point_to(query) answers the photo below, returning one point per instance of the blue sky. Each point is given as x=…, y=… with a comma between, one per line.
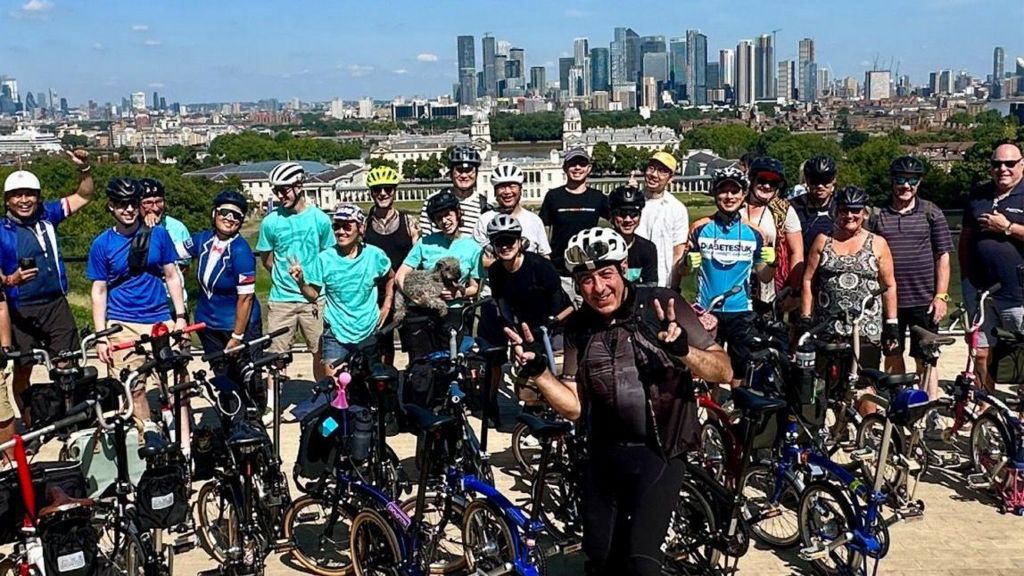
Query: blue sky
x=225, y=50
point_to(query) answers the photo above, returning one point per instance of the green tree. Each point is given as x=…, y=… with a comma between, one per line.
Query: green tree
x=853, y=139
x=602, y=158
x=72, y=141
x=377, y=162
x=872, y=161
x=409, y=169
x=726, y=140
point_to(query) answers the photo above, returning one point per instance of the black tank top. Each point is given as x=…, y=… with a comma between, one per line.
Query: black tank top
x=396, y=244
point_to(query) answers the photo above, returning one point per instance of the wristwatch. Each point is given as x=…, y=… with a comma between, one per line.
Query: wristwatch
x=942, y=296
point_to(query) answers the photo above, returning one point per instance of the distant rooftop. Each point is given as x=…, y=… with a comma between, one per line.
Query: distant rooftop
x=256, y=170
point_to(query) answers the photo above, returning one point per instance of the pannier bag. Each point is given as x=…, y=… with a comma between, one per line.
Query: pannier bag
x=45, y=475
x=1007, y=363
x=162, y=497
x=69, y=543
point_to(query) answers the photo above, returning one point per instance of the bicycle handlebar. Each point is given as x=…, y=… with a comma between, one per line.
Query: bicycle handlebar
x=245, y=344
x=812, y=332
x=128, y=410
x=146, y=338
x=77, y=413
x=719, y=301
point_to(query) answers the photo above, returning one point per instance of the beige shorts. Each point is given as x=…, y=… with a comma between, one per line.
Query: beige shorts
x=307, y=316
x=6, y=406
x=128, y=358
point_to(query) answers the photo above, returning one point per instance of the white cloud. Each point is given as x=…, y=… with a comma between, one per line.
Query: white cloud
x=139, y=28
x=400, y=71
x=358, y=71
x=156, y=84
x=97, y=46
x=152, y=42
x=426, y=57
x=37, y=6
x=575, y=13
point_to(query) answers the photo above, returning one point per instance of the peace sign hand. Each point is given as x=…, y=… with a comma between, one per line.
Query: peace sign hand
x=529, y=353
x=295, y=270
x=671, y=336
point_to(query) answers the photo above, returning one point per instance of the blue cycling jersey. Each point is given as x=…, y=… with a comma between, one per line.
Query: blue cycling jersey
x=728, y=255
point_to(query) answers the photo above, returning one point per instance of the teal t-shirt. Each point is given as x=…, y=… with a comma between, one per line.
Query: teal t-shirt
x=300, y=236
x=432, y=247
x=350, y=286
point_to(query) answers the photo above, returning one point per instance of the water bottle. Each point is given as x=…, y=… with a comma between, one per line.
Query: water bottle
x=362, y=433
x=804, y=361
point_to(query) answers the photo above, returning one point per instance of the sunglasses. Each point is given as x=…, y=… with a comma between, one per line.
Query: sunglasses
x=768, y=182
x=581, y=163
x=504, y=241
x=906, y=180
x=996, y=164
x=628, y=213
x=346, y=225
x=816, y=182
x=384, y=190
x=229, y=214
x=464, y=168
x=851, y=209
x=124, y=205
x=279, y=190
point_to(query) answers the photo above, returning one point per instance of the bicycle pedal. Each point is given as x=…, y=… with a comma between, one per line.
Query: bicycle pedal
x=812, y=553
x=184, y=543
x=863, y=455
x=978, y=481
x=505, y=568
x=282, y=545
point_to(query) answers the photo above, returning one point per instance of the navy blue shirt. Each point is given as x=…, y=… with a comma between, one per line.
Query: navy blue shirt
x=994, y=256
x=46, y=285
x=141, y=297
x=224, y=269
x=38, y=240
x=814, y=220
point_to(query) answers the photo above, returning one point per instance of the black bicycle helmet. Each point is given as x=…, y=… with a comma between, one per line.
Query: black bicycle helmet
x=440, y=203
x=907, y=165
x=464, y=155
x=152, y=188
x=626, y=197
x=851, y=197
x=232, y=197
x=820, y=168
x=124, y=190
x=763, y=164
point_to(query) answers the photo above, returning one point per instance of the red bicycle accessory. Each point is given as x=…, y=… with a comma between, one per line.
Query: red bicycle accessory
x=28, y=493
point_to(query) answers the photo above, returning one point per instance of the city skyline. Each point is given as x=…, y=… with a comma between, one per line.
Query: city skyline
x=195, y=52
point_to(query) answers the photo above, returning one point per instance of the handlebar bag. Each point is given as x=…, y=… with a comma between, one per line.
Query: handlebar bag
x=1007, y=363
x=162, y=497
x=69, y=543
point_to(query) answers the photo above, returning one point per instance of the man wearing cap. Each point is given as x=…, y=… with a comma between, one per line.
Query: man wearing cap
x=568, y=209
x=463, y=169
x=33, y=272
x=664, y=219
x=348, y=275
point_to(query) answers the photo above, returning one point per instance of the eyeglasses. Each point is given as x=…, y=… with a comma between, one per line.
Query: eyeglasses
x=383, y=190
x=1008, y=164
x=229, y=214
x=346, y=225
x=653, y=167
x=464, y=168
x=906, y=180
x=627, y=213
x=152, y=202
x=279, y=190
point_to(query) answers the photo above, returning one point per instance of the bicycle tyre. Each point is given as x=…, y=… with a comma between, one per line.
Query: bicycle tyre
x=526, y=456
x=335, y=544
x=824, y=514
x=950, y=451
x=989, y=446
x=560, y=496
x=894, y=475
x=788, y=534
x=715, y=447
x=451, y=558
x=216, y=532
x=374, y=545
x=689, y=544
x=122, y=555
x=487, y=540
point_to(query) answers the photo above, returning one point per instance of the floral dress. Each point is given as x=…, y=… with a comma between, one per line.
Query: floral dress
x=842, y=283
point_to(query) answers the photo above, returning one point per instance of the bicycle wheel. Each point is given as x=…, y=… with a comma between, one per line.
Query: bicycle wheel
x=320, y=542
x=713, y=444
x=772, y=520
x=869, y=435
x=825, y=515
x=689, y=544
x=218, y=522
x=841, y=421
x=374, y=545
x=525, y=449
x=488, y=542
x=944, y=447
x=989, y=448
x=448, y=556
x=560, y=505
x=119, y=552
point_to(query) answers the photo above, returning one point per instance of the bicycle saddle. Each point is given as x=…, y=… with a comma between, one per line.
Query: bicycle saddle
x=246, y=433
x=61, y=502
x=542, y=429
x=155, y=445
x=930, y=338
x=423, y=420
x=383, y=376
x=881, y=380
x=752, y=403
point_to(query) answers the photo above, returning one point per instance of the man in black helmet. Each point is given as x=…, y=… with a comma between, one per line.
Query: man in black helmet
x=920, y=242
x=816, y=209
x=463, y=169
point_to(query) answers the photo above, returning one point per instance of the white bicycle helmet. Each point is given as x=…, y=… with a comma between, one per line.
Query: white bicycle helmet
x=504, y=225
x=507, y=173
x=594, y=248
x=287, y=174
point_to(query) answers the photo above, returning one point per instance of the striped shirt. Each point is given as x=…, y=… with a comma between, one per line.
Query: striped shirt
x=472, y=206
x=915, y=243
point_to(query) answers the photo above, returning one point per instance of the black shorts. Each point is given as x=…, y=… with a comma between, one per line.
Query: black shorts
x=914, y=316
x=50, y=326
x=734, y=332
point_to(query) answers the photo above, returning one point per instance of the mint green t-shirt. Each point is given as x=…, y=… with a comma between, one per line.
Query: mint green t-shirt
x=432, y=247
x=350, y=286
x=301, y=236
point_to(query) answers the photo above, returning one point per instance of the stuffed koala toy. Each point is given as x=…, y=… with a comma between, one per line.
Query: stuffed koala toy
x=423, y=287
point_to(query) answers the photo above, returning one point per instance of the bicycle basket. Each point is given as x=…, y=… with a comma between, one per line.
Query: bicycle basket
x=69, y=543
x=162, y=497
x=908, y=406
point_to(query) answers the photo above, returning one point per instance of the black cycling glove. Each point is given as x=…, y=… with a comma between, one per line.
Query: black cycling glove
x=536, y=365
x=890, y=337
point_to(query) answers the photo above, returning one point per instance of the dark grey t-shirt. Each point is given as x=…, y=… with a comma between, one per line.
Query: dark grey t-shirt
x=915, y=243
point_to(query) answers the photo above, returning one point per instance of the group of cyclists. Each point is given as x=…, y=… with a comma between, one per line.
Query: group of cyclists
x=631, y=343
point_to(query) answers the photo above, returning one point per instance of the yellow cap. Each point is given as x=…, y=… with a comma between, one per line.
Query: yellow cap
x=667, y=159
